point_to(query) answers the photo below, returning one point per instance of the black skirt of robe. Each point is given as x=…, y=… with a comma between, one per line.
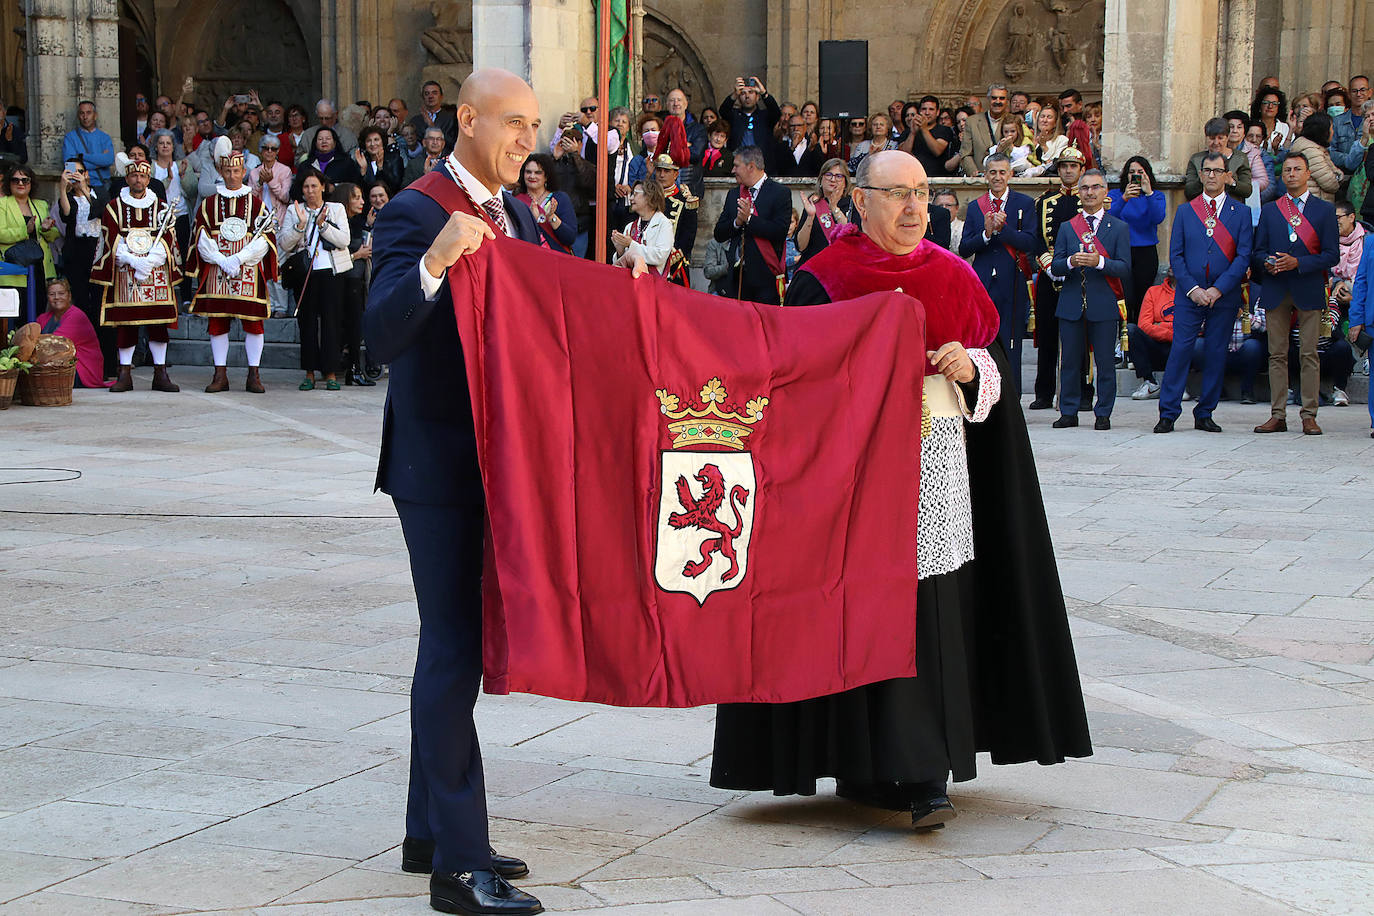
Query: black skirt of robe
x=992, y=645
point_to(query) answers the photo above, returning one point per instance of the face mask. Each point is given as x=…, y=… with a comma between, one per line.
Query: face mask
x=650, y=138
x=1336, y=110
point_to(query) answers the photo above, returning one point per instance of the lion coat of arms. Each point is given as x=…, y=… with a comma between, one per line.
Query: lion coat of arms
x=707, y=493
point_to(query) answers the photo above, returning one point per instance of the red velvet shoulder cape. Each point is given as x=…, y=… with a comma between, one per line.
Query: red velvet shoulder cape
x=957, y=305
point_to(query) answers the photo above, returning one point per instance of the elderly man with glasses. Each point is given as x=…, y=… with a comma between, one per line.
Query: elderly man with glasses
x=995, y=667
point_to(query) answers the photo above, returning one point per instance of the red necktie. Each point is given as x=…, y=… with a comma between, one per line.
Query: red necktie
x=497, y=213
x=746, y=194
x=1212, y=208
x=996, y=205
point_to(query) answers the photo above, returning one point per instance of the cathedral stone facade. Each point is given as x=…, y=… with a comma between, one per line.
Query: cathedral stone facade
x=1161, y=66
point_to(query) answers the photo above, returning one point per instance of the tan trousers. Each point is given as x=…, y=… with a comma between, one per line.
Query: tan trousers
x=1278, y=320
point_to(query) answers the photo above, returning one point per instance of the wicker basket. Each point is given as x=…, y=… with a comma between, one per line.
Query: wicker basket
x=7, y=383
x=48, y=386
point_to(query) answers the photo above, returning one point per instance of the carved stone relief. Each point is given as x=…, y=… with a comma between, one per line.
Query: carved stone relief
x=448, y=45
x=279, y=68
x=671, y=60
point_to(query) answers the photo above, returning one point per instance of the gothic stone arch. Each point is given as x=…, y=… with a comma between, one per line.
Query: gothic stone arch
x=671, y=59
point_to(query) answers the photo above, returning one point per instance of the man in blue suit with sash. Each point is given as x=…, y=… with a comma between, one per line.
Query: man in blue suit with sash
x=1296, y=243
x=1209, y=251
x=1092, y=252
x=999, y=232
x=429, y=468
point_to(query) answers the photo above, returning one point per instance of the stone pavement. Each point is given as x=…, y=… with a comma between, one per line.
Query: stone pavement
x=205, y=644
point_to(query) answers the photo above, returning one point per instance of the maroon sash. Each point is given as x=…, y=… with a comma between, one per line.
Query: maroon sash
x=766, y=250
x=450, y=194
x=1088, y=241
x=1216, y=229
x=826, y=219
x=1022, y=260
x=1298, y=220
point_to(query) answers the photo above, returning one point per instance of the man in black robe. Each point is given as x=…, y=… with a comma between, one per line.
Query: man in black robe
x=995, y=663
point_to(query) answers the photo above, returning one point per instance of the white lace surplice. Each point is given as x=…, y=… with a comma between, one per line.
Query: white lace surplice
x=944, y=522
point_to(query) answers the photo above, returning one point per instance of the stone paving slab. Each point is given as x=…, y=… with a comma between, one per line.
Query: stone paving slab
x=206, y=643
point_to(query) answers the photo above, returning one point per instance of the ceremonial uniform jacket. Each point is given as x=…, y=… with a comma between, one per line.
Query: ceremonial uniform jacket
x=218, y=295
x=683, y=215
x=1053, y=209
x=138, y=286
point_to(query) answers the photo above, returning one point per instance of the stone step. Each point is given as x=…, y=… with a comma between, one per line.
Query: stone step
x=1126, y=382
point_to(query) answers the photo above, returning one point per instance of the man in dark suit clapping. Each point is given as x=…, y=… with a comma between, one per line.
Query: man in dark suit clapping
x=1093, y=254
x=1209, y=251
x=755, y=220
x=999, y=232
x=1296, y=243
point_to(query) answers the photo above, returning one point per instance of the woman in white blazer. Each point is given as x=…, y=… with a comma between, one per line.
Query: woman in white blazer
x=650, y=235
x=316, y=233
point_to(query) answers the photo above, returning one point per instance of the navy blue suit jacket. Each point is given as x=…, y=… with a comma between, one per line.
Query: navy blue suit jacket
x=991, y=262
x=1306, y=284
x=429, y=447
x=1113, y=240
x=1198, y=261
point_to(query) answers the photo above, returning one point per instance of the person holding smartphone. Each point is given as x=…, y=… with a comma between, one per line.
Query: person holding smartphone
x=1136, y=202
x=752, y=114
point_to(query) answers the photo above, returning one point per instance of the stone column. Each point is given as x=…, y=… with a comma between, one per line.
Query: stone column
x=795, y=29
x=358, y=51
x=73, y=55
x=550, y=43
x=1161, y=80
x=1236, y=23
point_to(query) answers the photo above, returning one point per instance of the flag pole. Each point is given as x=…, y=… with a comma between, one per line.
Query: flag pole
x=603, y=116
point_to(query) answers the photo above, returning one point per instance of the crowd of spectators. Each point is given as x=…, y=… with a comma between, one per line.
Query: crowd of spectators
x=360, y=156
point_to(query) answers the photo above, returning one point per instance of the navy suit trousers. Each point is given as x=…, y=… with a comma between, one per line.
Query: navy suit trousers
x=1190, y=318
x=448, y=797
x=1074, y=337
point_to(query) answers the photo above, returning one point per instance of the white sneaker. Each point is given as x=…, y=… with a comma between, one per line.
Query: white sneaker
x=1187, y=395
x=1339, y=398
x=1143, y=392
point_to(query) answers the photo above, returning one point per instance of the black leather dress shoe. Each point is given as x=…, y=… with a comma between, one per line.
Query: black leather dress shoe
x=1102, y=423
x=1042, y=404
x=479, y=892
x=1065, y=421
x=1165, y=425
x=1206, y=424
x=932, y=813
x=417, y=857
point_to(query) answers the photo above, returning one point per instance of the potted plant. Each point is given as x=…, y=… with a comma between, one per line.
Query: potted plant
x=10, y=367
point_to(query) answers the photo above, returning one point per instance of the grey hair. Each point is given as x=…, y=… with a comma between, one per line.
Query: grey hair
x=1091, y=172
x=328, y=103
x=994, y=86
x=617, y=111
x=862, y=173
x=1367, y=107
x=1216, y=127
x=996, y=157
x=158, y=135
x=751, y=155
x=434, y=130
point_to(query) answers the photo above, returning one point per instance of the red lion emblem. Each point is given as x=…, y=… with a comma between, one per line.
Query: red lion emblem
x=702, y=514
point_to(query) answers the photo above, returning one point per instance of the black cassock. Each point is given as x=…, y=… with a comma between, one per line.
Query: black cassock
x=995, y=662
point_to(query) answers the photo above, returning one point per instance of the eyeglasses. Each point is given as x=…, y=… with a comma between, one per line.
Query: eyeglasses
x=650, y=100
x=1269, y=103
x=1207, y=171
x=588, y=109
x=900, y=195
x=19, y=180
x=835, y=175
x=268, y=146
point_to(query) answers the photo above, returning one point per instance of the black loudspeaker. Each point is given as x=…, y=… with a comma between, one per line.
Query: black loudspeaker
x=844, y=79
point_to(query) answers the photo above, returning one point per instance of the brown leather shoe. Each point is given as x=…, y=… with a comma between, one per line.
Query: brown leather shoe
x=254, y=384
x=162, y=381
x=125, y=382
x=220, y=382
x=1310, y=427
x=1273, y=425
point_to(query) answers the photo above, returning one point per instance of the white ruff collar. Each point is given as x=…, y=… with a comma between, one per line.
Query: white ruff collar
x=135, y=202
x=222, y=191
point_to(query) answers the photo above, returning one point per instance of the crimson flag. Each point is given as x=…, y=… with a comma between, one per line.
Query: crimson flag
x=690, y=499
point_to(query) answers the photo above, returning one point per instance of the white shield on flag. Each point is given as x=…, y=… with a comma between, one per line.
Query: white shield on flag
x=705, y=520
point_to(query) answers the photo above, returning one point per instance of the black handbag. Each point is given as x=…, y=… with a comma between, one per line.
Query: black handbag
x=293, y=272
x=24, y=254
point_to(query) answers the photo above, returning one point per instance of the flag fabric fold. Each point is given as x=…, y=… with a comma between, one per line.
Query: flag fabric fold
x=690, y=499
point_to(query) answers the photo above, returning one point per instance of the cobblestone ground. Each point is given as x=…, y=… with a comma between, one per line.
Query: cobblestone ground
x=206, y=642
